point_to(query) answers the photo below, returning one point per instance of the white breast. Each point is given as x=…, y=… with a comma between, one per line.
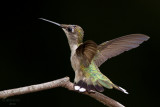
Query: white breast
x=74, y=59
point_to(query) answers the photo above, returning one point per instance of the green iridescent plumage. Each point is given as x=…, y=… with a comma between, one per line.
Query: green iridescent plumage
x=96, y=76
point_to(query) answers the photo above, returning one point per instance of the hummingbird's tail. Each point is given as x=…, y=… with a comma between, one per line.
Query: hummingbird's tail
x=91, y=79
x=88, y=85
x=92, y=84
x=108, y=84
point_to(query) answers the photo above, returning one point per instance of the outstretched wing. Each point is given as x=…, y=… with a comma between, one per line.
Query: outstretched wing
x=86, y=52
x=117, y=46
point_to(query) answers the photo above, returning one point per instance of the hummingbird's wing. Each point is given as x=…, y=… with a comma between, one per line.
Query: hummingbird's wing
x=86, y=52
x=117, y=46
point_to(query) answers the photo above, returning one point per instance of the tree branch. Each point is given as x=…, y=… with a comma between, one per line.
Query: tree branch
x=63, y=82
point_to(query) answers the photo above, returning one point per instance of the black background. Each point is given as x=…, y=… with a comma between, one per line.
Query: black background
x=33, y=51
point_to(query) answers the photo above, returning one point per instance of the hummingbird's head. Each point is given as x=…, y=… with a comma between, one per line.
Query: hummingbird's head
x=74, y=33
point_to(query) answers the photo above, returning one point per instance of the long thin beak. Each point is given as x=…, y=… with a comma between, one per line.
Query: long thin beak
x=51, y=21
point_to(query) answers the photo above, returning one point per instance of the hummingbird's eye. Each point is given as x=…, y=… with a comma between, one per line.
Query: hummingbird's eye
x=70, y=29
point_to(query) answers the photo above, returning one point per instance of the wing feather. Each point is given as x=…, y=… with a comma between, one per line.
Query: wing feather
x=86, y=52
x=117, y=46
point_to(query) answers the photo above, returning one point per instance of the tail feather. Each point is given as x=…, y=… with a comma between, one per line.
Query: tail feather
x=120, y=89
x=98, y=87
x=105, y=84
x=90, y=86
x=82, y=84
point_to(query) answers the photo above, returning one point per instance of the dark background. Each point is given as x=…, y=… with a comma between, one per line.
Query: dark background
x=33, y=51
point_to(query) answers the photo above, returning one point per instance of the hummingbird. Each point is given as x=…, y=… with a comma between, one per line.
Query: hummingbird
x=87, y=57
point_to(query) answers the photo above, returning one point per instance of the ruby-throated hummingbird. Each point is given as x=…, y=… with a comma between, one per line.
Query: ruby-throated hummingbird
x=87, y=56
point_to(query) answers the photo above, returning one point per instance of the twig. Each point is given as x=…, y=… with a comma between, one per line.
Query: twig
x=63, y=82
